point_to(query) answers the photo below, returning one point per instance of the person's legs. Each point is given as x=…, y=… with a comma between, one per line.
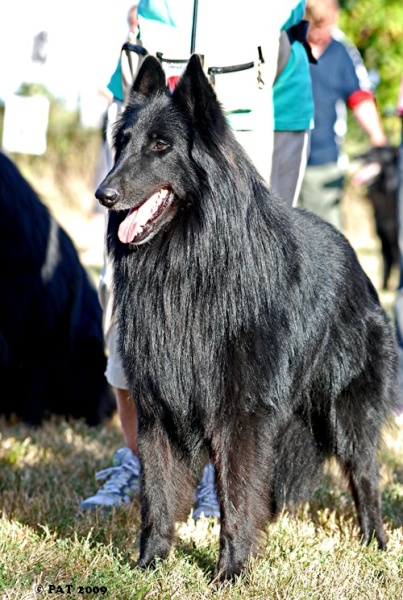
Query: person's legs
x=128, y=417
x=122, y=480
x=321, y=192
x=289, y=161
x=207, y=504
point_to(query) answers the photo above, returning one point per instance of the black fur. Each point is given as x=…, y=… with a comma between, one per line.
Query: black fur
x=52, y=357
x=248, y=330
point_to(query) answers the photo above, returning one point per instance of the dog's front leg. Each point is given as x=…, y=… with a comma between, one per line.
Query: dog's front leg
x=243, y=457
x=166, y=493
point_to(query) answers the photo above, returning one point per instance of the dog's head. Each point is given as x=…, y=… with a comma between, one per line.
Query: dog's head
x=154, y=171
x=379, y=170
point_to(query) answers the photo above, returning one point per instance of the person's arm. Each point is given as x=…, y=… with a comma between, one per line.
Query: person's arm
x=366, y=113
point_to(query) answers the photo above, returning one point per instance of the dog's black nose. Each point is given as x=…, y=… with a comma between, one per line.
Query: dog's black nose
x=107, y=196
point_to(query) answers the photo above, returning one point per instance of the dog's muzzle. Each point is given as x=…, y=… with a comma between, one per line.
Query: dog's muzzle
x=107, y=196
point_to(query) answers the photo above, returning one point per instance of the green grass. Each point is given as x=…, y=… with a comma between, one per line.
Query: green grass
x=45, y=539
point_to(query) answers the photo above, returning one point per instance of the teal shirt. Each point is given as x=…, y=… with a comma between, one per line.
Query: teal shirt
x=115, y=84
x=296, y=15
x=292, y=91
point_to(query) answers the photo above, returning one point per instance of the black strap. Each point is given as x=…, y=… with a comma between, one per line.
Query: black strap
x=128, y=48
x=159, y=55
x=298, y=33
x=231, y=69
x=213, y=71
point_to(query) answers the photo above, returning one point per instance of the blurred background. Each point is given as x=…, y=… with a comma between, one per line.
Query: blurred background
x=64, y=53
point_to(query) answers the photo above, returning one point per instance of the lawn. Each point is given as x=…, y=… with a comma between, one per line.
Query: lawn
x=46, y=541
x=48, y=548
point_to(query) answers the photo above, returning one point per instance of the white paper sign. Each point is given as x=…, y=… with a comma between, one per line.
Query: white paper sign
x=25, y=124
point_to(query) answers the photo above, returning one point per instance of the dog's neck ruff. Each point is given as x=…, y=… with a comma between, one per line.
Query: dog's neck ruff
x=139, y=222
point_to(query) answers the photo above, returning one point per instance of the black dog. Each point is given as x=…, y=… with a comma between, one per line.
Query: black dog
x=52, y=357
x=248, y=330
x=380, y=175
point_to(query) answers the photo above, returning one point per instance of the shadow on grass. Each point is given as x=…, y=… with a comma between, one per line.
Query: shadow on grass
x=204, y=557
x=47, y=472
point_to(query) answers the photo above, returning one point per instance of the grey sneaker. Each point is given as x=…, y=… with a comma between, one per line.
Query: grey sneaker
x=206, y=495
x=123, y=480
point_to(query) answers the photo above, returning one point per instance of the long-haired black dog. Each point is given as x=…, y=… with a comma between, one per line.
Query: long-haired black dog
x=247, y=330
x=52, y=355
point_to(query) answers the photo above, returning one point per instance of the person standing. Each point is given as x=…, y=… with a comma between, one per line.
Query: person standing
x=293, y=107
x=339, y=80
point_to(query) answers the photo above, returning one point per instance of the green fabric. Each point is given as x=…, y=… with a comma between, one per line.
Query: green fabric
x=292, y=90
x=292, y=93
x=296, y=15
x=115, y=84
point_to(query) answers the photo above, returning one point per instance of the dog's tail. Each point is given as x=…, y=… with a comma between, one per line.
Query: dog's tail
x=298, y=467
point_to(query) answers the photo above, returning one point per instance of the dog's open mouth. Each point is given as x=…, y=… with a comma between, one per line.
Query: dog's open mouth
x=140, y=222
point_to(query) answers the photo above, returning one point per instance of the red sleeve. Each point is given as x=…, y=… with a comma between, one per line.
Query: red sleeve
x=358, y=96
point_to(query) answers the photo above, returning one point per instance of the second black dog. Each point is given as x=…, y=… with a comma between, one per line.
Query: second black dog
x=52, y=356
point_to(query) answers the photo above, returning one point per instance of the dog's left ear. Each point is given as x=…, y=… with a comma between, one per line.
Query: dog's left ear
x=195, y=93
x=150, y=79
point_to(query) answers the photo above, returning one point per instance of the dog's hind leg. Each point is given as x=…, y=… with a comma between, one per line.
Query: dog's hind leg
x=357, y=438
x=243, y=458
x=166, y=493
x=363, y=475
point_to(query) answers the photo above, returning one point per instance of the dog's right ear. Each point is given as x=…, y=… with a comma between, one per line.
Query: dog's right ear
x=150, y=79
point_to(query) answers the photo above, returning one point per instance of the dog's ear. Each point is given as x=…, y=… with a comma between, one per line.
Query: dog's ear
x=150, y=79
x=196, y=95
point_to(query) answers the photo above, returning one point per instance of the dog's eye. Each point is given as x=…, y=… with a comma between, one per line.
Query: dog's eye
x=160, y=145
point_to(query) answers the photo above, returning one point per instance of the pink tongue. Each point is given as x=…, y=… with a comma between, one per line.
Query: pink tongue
x=136, y=219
